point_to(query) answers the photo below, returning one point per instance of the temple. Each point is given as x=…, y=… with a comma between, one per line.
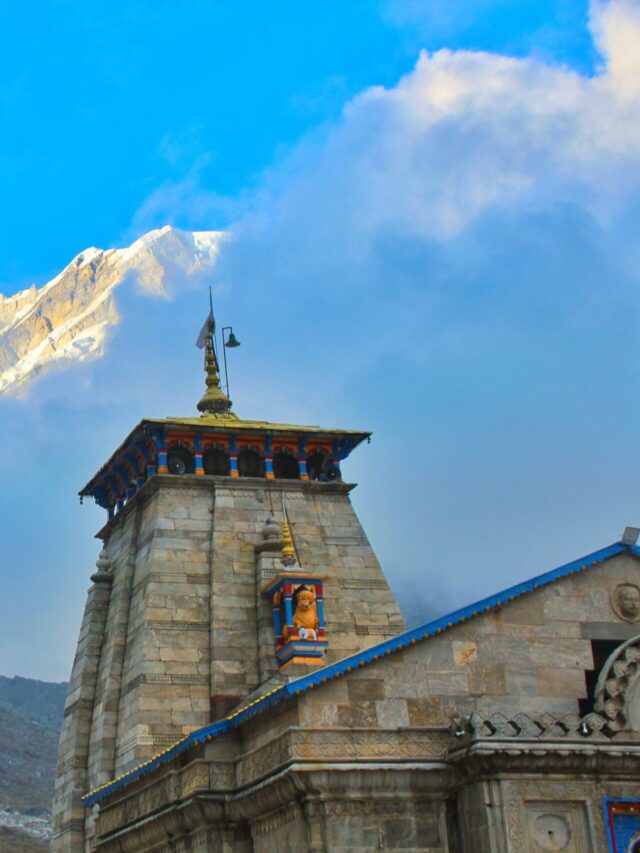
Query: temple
x=244, y=680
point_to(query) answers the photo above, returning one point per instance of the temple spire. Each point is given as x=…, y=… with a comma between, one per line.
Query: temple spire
x=214, y=401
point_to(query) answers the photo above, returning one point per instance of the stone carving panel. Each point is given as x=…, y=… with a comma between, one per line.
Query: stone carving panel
x=547, y=812
x=550, y=831
x=618, y=687
x=625, y=600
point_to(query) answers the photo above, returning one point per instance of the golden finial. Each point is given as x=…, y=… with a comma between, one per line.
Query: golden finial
x=213, y=401
x=288, y=551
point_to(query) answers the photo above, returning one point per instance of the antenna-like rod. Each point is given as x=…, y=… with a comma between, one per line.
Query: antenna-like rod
x=224, y=355
x=213, y=326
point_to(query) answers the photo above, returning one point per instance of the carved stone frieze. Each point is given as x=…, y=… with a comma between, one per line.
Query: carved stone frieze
x=150, y=798
x=195, y=777
x=274, y=821
x=175, y=625
x=544, y=727
x=365, y=807
x=343, y=745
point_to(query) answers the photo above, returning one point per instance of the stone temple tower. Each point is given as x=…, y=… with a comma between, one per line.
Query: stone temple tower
x=231, y=560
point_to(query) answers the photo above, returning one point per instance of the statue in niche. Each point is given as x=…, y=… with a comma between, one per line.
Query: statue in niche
x=305, y=614
x=626, y=601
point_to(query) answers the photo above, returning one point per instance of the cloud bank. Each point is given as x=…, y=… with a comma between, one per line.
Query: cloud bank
x=455, y=264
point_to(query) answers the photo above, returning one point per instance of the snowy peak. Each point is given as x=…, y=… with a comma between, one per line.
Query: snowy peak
x=69, y=317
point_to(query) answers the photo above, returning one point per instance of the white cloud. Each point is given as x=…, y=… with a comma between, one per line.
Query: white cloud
x=469, y=131
x=616, y=27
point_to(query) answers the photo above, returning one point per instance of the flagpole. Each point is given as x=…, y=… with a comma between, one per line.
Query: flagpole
x=213, y=327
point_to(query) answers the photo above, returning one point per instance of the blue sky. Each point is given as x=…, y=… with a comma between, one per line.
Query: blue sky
x=103, y=104
x=433, y=208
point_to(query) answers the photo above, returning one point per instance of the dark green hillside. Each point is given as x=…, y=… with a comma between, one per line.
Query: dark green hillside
x=30, y=718
x=14, y=841
x=41, y=701
x=27, y=761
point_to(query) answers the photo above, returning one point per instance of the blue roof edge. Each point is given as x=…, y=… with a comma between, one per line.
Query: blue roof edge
x=372, y=653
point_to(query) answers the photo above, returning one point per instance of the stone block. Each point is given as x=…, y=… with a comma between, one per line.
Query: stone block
x=502, y=649
x=609, y=630
x=454, y=683
x=522, y=681
x=561, y=653
x=425, y=712
x=365, y=689
x=333, y=691
x=393, y=713
x=488, y=679
x=591, y=607
x=193, y=525
x=171, y=653
x=510, y=705
x=464, y=652
x=528, y=610
x=358, y=715
x=561, y=682
x=436, y=653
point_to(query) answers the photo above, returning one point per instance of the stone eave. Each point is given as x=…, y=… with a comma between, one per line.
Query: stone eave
x=618, y=758
x=360, y=659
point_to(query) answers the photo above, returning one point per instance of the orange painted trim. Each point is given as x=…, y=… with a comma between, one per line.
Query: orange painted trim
x=235, y=473
x=310, y=446
x=221, y=441
x=308, y=661
x=187, y=438
x=200, y=472
x=256, y=442
x=163, y=469
x=270, y=475
x=291, y=446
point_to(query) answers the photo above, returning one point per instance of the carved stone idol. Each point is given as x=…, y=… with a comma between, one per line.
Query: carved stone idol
x=625, y=601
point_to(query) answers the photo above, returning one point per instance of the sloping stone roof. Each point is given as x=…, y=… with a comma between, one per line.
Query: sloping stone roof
x=360, y=659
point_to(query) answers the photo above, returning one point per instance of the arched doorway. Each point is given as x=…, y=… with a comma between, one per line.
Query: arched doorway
x=250, y=463
x=285, y=465
x=215, y=462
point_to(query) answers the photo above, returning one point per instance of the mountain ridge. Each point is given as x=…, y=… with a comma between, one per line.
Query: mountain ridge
x=68, y=319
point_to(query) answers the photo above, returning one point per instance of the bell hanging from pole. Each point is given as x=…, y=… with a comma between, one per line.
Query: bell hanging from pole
x=232, y=341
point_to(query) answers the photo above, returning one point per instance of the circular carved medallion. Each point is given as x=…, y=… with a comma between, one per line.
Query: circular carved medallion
x=625, y=601
x=551, y=832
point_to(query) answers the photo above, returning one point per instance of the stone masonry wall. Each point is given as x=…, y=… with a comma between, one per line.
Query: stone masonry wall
x=121, y=548
x=528, y=656
x=181, y=643
x=165, y=679
x=359, y=606
x=68, y=812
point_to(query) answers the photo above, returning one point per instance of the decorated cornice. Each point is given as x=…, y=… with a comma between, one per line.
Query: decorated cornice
x=143, y=454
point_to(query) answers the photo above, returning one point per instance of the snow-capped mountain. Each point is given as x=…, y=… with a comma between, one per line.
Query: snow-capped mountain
x=68, y=318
